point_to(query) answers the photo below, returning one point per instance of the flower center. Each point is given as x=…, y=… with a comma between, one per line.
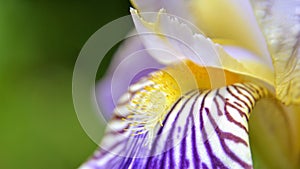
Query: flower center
x=153, y=96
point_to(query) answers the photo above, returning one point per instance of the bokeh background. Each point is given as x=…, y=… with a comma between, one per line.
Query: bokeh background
x=39, y=44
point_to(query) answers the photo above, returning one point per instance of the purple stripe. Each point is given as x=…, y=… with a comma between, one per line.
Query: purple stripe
x=138, y=161
x=121, y=131
x=242, y=114
x=196, y=159
x=149, y=165
x=232, y=120
x=183, y=145
x=238, y=104
x=230, y=136
x=217, y=103
x=171, y=159
x=171, y=133
x=204, y=166
x=132, y=149
x=167, y=117
x=237, y=88
x=150, y=159
x=238, y=98
x=184, y=162
x=221, y=136
x=246, y=90
x=215, y=162
x=227, y=114
x=162, y=161
x=257, y=91
x=201, y=117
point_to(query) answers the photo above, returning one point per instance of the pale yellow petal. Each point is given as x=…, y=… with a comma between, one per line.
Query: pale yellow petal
x=170, y=39
x=280, y=23
x=230, y=22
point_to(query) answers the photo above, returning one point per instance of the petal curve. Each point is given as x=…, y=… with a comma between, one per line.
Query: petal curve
x=203, y=129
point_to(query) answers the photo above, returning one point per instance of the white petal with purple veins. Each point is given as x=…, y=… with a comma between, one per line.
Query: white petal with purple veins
x=203, y=129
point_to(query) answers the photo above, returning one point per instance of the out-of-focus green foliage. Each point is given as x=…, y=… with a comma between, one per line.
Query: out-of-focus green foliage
x=39, y=44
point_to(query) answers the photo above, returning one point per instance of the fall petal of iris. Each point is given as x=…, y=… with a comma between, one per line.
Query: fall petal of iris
x=203, y=129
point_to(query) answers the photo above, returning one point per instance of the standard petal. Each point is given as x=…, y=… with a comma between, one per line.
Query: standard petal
x=202, y=129
x=130, y=59
x=234, y=23
x=280, y=23
x=179, y=39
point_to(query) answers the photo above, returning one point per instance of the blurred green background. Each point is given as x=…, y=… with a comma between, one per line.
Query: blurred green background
x=39, y=44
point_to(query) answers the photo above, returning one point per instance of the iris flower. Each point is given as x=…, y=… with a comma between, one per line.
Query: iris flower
x=216, y=63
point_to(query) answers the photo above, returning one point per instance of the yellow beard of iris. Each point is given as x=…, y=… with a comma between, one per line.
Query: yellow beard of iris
x=153, y=96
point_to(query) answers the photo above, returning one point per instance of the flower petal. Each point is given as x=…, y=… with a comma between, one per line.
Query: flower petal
x=202, y=129
x=178, y=7
x=273, y=135
x=130, y=59
x=182, y=41
x=280, y=23
x=233, y=24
